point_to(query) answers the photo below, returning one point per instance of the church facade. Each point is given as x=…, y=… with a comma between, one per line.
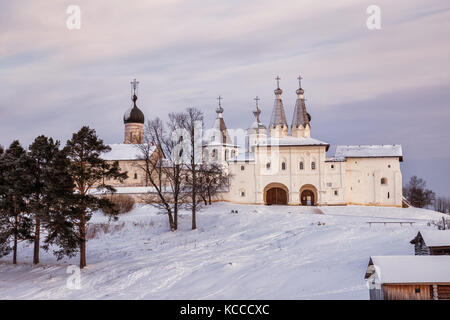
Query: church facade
x=282, y=163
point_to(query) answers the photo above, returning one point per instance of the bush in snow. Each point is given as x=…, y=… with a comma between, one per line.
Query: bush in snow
x=121, y=203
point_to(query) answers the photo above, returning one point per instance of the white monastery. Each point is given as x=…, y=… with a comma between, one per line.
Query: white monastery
x=282, y=163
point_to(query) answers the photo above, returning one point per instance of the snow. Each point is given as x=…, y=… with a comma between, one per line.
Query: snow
x=128, y=190
x=292, y=141
x=436, y=238
x=261, y=252
x=368, y=151
x=412, y=269
x=122, y=151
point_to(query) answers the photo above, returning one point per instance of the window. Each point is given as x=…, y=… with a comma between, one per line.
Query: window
x=242, y=193
x=242, y=168
x=213, y=138
x=329, y=184
x=336, y=193
x=283, y=166
x=268, y=165
x=332, y=166
x=313, y=165
x=214, y=154
x=417, y=290
x=388, y=195
x=135, y=176
x=226, y=154
x=233, y=153
x=180, y=154
x=383, y=181
x=389, y=165
x=301, y=165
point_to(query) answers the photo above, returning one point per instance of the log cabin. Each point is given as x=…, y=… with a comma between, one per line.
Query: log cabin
x=432, y=242
x=408, y=277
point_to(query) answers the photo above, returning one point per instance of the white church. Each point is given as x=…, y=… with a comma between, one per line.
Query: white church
x=282, y=164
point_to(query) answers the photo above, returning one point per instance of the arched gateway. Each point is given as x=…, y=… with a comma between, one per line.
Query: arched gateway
x=308, y=195
x=276, y=193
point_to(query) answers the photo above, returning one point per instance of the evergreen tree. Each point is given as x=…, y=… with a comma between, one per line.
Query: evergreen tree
x=52, y=195
x=416, y=193
x=88, y=171
x=15, y=192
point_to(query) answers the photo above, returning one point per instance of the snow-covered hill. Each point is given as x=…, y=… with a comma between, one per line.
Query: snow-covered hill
x=261, y=252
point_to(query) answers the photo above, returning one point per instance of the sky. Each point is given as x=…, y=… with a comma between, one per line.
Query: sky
x=386, y=86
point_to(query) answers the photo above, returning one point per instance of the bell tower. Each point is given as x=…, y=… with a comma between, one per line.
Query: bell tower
x=134, y=119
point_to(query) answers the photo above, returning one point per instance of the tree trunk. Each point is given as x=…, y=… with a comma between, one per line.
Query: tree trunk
x=175, y=214
x=83, y=241
x=15, y=249
x=16, y=230
x=37, y=234
x=209, y=196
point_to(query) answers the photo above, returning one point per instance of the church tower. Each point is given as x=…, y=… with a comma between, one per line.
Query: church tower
x=300, y=126
x=258, y=131
x=134, y=119
x=278, y=124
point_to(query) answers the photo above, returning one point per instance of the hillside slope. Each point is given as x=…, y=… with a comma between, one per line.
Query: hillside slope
x=262, y=252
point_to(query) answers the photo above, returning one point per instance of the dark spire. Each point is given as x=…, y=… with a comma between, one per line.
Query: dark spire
x=278, y=115
x=300, y=117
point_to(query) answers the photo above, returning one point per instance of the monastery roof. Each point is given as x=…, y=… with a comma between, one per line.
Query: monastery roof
x=293, y=141
x=123, y=151
x=436, y=238
x=410, y=269
x=369, y=151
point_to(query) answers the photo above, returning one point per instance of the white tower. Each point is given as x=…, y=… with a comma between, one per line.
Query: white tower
x=257, y=132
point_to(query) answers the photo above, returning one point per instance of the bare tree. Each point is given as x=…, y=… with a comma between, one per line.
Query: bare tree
x=163, y=173
x=190, y=150
x=214, y=179
x=442, y=204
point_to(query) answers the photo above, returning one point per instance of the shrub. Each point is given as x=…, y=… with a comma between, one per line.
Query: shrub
x=122, y=203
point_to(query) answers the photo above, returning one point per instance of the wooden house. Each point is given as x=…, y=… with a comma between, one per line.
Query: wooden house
x=432, y=242
x=408, y=277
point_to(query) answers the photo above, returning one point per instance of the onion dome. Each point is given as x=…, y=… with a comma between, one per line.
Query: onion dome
x=134, y=114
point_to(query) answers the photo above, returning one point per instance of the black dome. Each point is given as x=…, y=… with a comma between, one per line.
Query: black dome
x=134, y=114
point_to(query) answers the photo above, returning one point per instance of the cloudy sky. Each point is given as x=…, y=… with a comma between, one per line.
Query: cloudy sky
x=387, y=86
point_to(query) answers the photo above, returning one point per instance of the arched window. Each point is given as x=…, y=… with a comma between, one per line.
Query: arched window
x=268, y=165
x=214, y=154
x=283, y=166
x=242, y=168
x=301, y=165
x=242, y=193
x=389, y=195
x=135, y=175
x=313, y=165
x=180, y=154
x=383, y=181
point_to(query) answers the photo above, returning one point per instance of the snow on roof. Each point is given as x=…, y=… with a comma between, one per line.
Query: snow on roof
x=436, y=238
x=369, y=151
x=243, y=157
x=292, y=141
x=410, y=269
x=123, y=151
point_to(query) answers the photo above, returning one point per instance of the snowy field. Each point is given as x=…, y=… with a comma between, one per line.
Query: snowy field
x=262, y=252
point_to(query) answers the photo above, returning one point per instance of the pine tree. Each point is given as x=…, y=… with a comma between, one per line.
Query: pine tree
x=89, y=171
x=15, y=192
x=61, y=215
x=52, y=194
